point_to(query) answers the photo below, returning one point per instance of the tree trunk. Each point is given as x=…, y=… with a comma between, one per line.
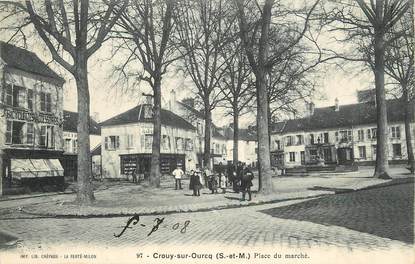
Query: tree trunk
x=155, y=157
x=265, y=180
x=235, y=136
x=382, y=166
x=1, y=172
x=208, y=129
x=85, y=193
x=409, y=113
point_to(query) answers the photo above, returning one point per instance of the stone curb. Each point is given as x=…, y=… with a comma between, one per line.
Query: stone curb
x=211, y=207
x=166, y=211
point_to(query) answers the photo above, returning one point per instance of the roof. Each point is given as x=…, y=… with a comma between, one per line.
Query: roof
x=216, y=133
x=134, y=115
x=27, y=61
x=347, y=116
x=96, y=151
x=70, y=122
x=194, y=111
x=244, y=134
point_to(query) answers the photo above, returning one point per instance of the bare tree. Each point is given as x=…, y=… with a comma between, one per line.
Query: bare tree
x=73, y=31
x=368, y=26
x=256, y=42
x=399, y=65
x=202, y=33
x=236, y=86
x=145, y=30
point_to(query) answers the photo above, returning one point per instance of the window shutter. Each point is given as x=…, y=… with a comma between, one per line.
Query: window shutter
x=106, y=142
x=117, y=143
x=142, y=142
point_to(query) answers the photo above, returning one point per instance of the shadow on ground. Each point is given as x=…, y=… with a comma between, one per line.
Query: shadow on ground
x=385, y=211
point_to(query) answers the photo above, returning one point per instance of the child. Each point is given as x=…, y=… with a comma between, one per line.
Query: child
x=222, y=182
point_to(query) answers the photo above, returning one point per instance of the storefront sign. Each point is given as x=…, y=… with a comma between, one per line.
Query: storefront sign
x=32, y=117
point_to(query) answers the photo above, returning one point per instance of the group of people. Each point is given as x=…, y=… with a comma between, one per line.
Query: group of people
x=239, y=177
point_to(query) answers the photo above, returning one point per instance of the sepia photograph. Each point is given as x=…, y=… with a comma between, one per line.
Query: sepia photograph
x=207, y=131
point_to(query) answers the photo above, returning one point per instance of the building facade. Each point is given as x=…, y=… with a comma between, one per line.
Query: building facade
x=218, y=144
x=31, y=118
x=247, y=145
x=126, y=141
x=338, y=135
x=70, y=145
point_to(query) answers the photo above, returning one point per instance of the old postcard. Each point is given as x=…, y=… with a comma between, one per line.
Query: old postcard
x=207, y=131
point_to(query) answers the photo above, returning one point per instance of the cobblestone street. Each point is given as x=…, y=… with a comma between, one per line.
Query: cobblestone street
x=334, y=221
x=243, y=226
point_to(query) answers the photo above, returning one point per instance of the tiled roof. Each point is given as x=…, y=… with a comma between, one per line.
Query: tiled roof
x=27, y=61
x=347, y=116
x=193, y=110
x=134, y=115
x=244, y=134
x=70, y=121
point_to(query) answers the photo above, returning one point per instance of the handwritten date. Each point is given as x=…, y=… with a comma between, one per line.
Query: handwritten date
x=157, y=222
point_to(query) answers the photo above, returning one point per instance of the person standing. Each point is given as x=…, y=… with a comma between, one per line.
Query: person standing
x=178, y=173
x=222, y=182
x=246, y=182
x=195, y=184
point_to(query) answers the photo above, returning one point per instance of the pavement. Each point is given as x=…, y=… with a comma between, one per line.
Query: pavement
x=133, y=199
x=352, y=213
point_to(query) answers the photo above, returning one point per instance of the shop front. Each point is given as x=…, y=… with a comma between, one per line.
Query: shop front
x=141, y=164
x=34, y=170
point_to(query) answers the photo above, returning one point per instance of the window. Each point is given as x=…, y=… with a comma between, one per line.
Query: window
x=336, y=135
x=362, y=152
x=277, y=144
x=30, y=99
x=371, y=133
x=217, y=149
x=17, y=132
x=311, y=138
x=189, y=144
x=326, y=137
x=75, y=146
x=30, y=133
x=112, y=142
x=361, y=135
x=165, y=142
x=45, y=102
x=47, y=136
x=346, y=135
x=129, y=141
x=396, y=133
x=68, y=145
x=374, y=149
x=397, y=151
x=299, y=140
x=9, y=132
x=289, y=140
x=224, y=149
x=9, y=94
x=292, y=156
x=179, y=143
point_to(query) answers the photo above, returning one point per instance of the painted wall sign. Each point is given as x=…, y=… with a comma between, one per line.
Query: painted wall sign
x=32, y=117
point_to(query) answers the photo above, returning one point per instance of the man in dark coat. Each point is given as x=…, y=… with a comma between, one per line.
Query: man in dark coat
x=246, y=182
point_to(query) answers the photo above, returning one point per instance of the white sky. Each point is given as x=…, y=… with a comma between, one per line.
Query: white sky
x=108, y=101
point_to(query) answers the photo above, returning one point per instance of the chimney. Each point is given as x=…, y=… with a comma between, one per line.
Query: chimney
x=336, y=104
x=311, y=107
x=172, y=102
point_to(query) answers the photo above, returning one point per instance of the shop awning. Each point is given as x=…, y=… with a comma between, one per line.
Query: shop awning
x=32, y=168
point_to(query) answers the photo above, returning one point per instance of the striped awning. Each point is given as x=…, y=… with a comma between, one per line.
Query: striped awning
x=33, y=168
